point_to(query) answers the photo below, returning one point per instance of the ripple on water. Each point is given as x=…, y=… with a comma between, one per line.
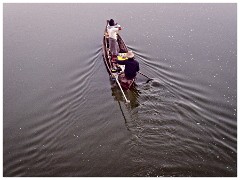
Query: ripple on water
x=177, y=124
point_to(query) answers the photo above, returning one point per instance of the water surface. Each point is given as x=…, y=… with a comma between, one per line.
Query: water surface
x=62, y=117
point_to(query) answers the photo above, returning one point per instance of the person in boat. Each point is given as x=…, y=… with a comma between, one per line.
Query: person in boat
x=131, y=66
x=112, y=30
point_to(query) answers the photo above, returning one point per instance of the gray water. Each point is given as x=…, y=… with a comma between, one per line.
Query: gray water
x=62, y=117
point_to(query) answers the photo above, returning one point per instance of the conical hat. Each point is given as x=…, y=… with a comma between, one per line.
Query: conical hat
x=130, y=54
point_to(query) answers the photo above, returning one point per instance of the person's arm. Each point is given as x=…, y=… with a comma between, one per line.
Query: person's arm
x=116, y=29
x=119, y=27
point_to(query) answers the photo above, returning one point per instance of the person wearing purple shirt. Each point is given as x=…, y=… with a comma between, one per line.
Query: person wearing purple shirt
x=131, y=66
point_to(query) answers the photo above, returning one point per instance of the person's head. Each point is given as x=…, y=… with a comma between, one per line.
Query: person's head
x=111, y=22
x=130, y=55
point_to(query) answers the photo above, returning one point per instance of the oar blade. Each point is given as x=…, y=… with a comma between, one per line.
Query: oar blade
x=149, y=80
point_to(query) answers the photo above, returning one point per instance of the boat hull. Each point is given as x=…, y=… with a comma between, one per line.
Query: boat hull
x=125, y=84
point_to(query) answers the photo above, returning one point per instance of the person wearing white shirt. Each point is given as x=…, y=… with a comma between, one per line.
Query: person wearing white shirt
x=112, y=30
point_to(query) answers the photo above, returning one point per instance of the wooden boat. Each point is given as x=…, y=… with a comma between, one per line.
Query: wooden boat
x=125, y=84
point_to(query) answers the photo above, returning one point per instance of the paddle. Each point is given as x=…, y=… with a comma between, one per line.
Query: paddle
x=127, y=101
x=149, y=79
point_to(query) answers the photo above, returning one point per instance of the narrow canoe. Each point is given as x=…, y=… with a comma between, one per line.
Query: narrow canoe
x=125, y=84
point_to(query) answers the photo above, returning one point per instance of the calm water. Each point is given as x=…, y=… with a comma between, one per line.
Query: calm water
x=62, y=117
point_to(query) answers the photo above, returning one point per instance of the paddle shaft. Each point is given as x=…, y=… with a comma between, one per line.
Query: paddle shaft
x=121, y=89
x=144, y=75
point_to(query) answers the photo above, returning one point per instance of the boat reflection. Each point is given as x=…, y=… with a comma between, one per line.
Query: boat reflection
x=131, y=94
